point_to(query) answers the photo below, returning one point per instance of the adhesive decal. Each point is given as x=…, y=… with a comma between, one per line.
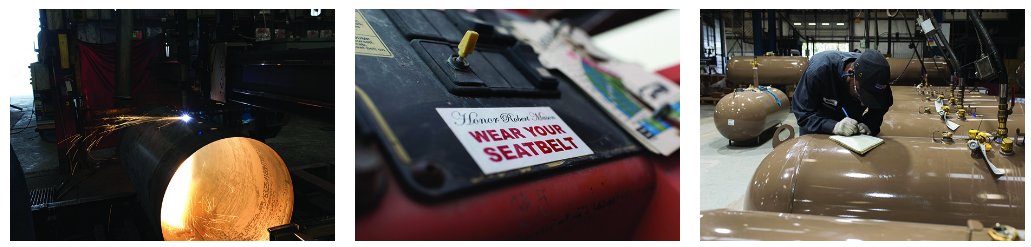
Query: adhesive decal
x=502, y=139
x=366, y=41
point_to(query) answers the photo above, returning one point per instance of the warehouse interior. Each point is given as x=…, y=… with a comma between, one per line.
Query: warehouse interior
x=948, y=156
x=175, y=124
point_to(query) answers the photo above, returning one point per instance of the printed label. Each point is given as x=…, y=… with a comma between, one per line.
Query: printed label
x=366, y=41
x=502, y=139
x=730, y=122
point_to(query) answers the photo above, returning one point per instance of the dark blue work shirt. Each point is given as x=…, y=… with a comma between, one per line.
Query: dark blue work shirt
x=822, y=93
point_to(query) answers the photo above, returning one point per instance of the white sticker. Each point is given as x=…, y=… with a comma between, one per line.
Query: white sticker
x=502, y=139
x=730, y=122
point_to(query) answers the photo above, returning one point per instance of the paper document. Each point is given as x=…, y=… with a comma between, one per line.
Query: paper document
x=858, y=143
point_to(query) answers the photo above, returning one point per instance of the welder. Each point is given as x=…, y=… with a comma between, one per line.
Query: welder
x=837, y=88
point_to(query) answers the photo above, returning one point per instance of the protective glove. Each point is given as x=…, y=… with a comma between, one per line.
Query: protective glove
x=846, y=127
x=863, y=129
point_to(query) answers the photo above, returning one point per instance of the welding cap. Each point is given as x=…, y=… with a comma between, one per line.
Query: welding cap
x=872, y=75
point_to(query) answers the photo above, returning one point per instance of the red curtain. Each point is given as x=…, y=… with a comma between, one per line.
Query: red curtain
x=98, y=70
x=97, y=63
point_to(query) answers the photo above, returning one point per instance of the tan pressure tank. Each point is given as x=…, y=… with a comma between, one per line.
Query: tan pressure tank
x=912, y=74
x=987, y=108
x=966, y=97
x=914, y=124
x=773, y=70
x=911, y=179
x=742, y=116
x=787, y=70
x=723, y=224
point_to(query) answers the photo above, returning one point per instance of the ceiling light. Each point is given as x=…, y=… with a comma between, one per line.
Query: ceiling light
x=841, y=24
x=798, y=23
x=812, y=24
x=826, y=24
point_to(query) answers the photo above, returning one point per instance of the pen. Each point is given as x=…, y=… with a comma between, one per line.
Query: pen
x=846, y=113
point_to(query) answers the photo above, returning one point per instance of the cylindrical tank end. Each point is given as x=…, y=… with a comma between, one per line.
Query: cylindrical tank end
x=773, y=183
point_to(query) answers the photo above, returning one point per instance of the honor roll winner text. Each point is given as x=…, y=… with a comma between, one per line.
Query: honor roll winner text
x=558, y=139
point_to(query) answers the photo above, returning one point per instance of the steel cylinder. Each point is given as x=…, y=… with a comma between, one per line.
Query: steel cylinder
x=912, y=74
x=722, y=224
x=986, y=108
x=971, y=98
x=773, y=70
x=787, y=70
x=907, y=179
x=913, y=124
x=742, y=116
x=198, y=181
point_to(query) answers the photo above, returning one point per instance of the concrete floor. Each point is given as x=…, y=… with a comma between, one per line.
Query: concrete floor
x=727, y=170
x=38, y=157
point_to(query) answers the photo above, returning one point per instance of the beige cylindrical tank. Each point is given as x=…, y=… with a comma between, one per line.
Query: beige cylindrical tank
x=911, y=179
x=742, y=116
x=773, y=70
x=787, y=70
x=914, y=124
x=912, y=73
x=723, y=224
x=966, y=97
x=980, y=107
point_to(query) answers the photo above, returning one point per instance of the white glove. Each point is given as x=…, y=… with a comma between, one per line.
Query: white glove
x=863, y=129
x=846, y=127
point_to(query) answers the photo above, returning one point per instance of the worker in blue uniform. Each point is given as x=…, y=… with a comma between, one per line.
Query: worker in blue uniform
x=837, y=88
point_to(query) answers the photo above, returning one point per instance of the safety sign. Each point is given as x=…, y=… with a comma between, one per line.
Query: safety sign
x=502, y=139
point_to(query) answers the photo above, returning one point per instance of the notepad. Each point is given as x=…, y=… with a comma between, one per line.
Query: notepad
x=858, y=143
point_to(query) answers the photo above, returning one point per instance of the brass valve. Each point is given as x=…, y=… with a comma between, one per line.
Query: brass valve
x=927, y=110
x=983, y=139
x=1003, y=233
x=973, y=134
x=961, y=113
x=947, y=135
x=1007, y=146
x=927, y=98
x=941, y=96
x=945, y=109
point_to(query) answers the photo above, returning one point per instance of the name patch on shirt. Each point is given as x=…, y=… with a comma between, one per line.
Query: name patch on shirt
x=830, y=102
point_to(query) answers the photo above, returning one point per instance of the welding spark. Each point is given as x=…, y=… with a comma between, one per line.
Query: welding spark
x=104, y=130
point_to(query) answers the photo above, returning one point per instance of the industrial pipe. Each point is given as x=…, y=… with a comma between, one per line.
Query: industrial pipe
x=1001, y=73
x=743, y=116
x=123, y=60
x=204, y=182
x=723, y=224
x=907, y=179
